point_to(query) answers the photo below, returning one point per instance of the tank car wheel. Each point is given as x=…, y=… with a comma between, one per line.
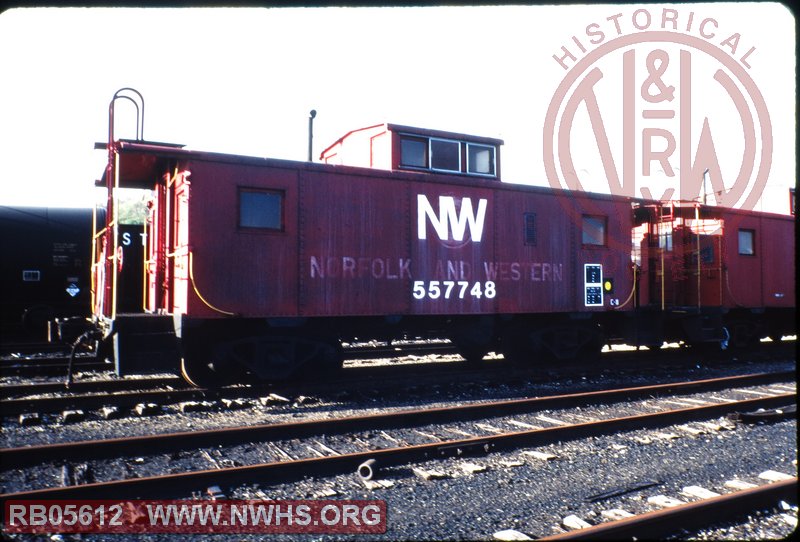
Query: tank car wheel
x=35, y=318
x=198, y=373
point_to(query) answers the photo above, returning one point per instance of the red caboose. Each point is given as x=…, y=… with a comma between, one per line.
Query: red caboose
x=266, y=266
x=732, y=268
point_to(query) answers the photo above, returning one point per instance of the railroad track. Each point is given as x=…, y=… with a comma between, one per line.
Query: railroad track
x=51, y=397
x=52, y=360
x=93, y=395
x=52, y=366
x=29, y=389
x=31, y=347
x=47, y=363
x=415, y=441
x=687, y=516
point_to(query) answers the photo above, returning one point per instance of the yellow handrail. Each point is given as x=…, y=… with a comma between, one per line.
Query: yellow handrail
x=197, y=292
x=145, y=262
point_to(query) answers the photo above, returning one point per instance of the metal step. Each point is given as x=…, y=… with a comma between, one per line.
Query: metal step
x=145, y=344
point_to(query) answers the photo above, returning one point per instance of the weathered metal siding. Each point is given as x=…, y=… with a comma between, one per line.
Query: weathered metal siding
x=743, y=276
x=535, y=275
x=394, y=244
x=366, y=147
x=248, y=272
x=383, y=245
x=778, y=246
x=614, y=255
x=767, y=277
x=354, y=245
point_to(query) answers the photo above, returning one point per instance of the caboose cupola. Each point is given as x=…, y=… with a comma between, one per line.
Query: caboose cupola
x=397, y=147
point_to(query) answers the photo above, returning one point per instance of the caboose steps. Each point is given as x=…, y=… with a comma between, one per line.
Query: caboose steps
x=145, y=344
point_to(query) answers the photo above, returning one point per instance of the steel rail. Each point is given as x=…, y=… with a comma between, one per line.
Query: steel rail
x=350, y=379
x=11, y=407
x=362, y=351
x=55, y=366
x=396, y=350
x=287, y=470
x=8, y=348
x=58, y=366
x=29, y=389
x=29, y=368
x=282, y=471
x=687, y=516
x=350, y=352
x=93, y=449
x=60, y=360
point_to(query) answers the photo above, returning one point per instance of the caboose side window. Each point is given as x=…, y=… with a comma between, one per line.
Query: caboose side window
x=747, y=245
x=480, y=159
x=594, y=230
x=414, y=152
x=260, y=209
x=445, y=155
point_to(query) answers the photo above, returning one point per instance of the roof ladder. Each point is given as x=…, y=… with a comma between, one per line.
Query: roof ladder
x=668, y=216
x=138, y=103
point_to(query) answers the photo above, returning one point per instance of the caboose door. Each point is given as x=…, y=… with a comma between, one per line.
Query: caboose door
x=156, y=265
x=700, y=284
x=168, y=246
x=180, y=244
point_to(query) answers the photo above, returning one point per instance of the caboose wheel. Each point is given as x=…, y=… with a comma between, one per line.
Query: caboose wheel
x=517, y=346
x=198, y=373
x=473, y=340
x=743, y=335
x=593, y=346
x=328, y=359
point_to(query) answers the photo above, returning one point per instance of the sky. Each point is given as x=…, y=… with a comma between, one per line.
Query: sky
x=243, y=80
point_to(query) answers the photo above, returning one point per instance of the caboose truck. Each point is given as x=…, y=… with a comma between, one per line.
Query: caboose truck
x=263, y=267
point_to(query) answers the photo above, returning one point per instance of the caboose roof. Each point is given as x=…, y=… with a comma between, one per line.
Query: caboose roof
x=144, y=161
x=140, y=162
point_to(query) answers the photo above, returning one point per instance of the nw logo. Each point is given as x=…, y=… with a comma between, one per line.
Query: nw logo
x=451, y=223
